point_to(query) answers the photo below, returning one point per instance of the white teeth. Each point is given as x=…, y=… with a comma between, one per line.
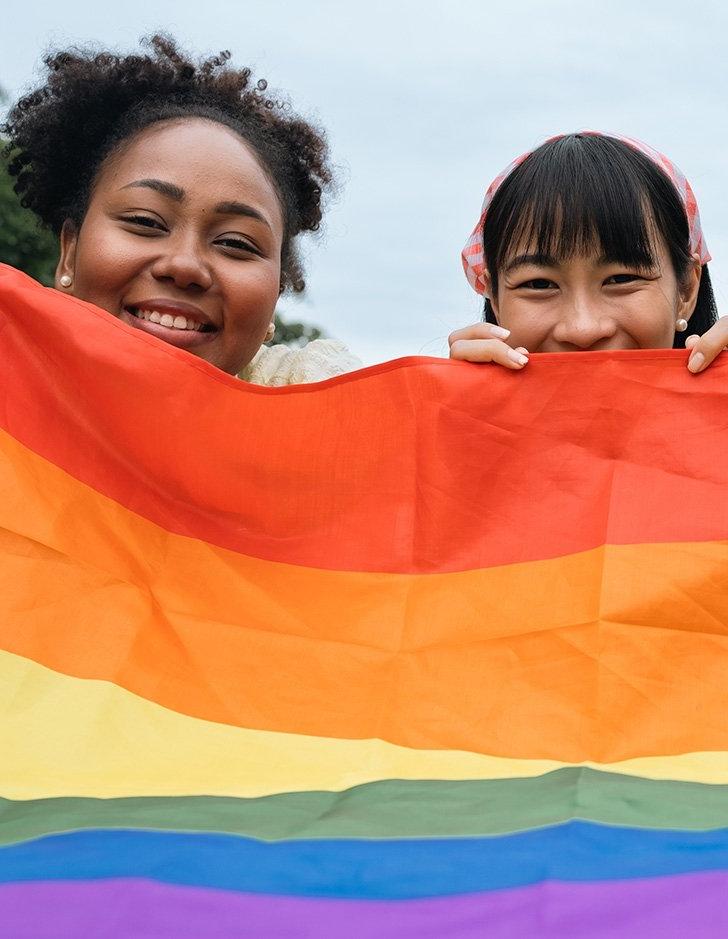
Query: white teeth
x=166, y=319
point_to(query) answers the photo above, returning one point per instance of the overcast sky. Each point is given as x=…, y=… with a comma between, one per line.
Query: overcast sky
x=424, y=104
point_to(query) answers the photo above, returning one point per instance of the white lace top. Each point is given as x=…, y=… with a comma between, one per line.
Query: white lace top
x=281, y=365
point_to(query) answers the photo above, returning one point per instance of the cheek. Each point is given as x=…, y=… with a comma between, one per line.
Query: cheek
x=529, y=323
x=251, y=297
x=104, y=261
x=651, y=319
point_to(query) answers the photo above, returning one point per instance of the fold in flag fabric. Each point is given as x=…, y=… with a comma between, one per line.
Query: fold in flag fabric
x=428, y=649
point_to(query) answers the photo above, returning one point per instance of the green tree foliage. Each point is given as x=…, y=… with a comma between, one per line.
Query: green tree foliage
x=292, y=333
x=23, y=243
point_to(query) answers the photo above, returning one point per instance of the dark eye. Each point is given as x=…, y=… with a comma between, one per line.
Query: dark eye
x=144, y=221
x=237, y=244
x=538, y=283
x=622, y=279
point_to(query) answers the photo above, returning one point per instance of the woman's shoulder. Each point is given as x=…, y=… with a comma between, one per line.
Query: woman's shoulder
x=316, y=361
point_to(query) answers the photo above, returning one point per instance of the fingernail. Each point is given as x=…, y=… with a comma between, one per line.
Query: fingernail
x=696, y=362
x=500, y=332
x=518, y=357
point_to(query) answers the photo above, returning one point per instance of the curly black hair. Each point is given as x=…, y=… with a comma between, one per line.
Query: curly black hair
x=60, y=134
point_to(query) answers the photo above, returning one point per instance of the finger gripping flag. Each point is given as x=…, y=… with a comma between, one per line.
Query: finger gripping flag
x=428, y=649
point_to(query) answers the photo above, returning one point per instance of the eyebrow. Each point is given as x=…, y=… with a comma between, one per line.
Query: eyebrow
x=177, y=194
x=540, y=260
x=240, y=208
x=158, y=185
x=546, y=260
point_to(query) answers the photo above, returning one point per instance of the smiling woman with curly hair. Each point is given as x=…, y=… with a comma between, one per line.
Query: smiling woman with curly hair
x=178, y=190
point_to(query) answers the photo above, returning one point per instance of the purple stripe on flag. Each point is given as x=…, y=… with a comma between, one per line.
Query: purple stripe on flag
x=671, y=907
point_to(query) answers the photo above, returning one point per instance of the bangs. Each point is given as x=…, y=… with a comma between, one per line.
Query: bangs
x=580, y=194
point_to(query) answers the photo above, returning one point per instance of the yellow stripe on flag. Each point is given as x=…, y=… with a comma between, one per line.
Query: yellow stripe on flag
x=80, y=737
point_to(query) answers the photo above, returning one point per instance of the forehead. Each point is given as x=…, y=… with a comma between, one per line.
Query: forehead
x=576, y=203
x=584, y=245
x=210, y=162
x=559, y=235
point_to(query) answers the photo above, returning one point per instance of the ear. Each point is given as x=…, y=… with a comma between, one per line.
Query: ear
x=688, y=290
x=67, y=261
x=488, y=292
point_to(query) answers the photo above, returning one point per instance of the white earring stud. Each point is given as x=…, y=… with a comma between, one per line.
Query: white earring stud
x=66, y=280
x=681, y=325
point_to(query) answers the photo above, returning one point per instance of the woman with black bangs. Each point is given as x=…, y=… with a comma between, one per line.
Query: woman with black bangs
x=590, y=242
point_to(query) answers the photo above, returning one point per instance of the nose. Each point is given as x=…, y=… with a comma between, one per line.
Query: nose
x=182, y=263
x=584, y=323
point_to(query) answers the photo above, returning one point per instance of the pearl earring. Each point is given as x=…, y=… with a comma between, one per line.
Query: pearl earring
x=66, y=280
x=681, y=325
x=270, y=332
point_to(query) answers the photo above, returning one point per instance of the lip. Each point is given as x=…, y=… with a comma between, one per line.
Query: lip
x=183, y=339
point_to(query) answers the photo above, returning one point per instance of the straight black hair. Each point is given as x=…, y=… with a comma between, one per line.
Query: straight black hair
x=587, y=191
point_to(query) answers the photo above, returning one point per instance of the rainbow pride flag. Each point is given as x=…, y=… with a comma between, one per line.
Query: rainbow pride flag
x=427, y=650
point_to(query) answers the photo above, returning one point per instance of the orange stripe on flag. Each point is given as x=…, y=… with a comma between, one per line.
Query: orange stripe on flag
x=604, y=655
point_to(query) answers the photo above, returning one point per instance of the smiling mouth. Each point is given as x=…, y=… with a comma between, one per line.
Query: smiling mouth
x=176, y=322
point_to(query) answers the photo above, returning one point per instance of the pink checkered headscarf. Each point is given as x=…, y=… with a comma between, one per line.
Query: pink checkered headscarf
x=473, y=254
